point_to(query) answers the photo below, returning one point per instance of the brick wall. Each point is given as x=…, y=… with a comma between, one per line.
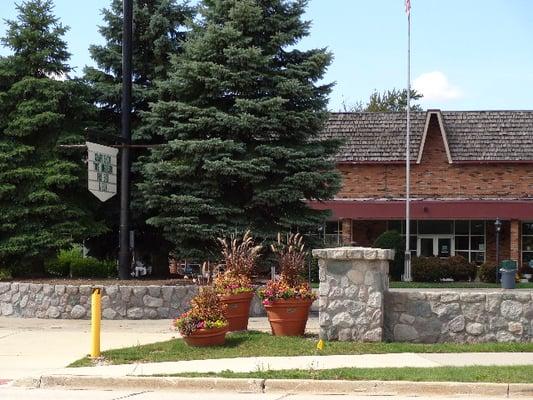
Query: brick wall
x=434, y=177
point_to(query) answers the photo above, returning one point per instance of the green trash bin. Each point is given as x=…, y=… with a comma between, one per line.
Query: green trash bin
x=508, y=270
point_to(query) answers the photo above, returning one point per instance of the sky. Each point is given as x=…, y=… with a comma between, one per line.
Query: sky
x=465, y=55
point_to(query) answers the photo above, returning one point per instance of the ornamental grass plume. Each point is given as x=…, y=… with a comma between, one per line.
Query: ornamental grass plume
x=291, y=259
x=240, y=256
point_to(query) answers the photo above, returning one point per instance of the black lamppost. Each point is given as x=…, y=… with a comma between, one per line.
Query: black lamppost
x=498, y=227
x=124, y=233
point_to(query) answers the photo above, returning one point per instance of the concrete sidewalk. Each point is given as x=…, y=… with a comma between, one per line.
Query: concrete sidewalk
x=32, y=347
x=37, y=347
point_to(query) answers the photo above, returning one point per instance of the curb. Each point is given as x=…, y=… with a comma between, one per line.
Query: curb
x=384, y=388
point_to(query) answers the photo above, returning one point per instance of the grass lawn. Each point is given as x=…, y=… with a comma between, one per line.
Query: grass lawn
x=446, y=285
x=496, y=374
x=253, y=344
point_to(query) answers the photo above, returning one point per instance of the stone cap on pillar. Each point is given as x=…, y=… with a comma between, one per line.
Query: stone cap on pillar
x=354, y=253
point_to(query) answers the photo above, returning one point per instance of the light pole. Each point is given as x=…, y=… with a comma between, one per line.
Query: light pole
x=124, y=232
x=498, y=227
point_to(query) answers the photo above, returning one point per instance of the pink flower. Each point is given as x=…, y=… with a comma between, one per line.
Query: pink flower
x=200, y=325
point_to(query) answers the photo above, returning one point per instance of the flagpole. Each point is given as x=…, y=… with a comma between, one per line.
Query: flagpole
x=407, y=267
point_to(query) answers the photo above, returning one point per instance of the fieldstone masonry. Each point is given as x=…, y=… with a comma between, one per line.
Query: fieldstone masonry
x=462, y=316
x=29, y=300
x=353, y=282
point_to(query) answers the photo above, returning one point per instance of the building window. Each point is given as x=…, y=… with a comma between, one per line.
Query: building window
x=445, y=238
x=527, y=242
x=332, y=233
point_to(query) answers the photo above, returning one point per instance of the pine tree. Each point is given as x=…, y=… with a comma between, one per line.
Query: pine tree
x=159, y=30
x=240, y=113
x=39, y=109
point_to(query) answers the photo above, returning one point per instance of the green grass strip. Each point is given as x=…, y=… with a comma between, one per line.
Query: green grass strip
x=256, y=344
x=495, y=374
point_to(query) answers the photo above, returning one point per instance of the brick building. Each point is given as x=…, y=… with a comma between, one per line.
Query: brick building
x=468, y=169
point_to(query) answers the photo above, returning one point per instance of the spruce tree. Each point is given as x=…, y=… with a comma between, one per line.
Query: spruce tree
x=240, y=113
x=158, y=33
x=39, y=109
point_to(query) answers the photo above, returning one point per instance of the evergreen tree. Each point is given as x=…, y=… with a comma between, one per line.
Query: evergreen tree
x=158, y=33
x=39, y=109
x=240, y=112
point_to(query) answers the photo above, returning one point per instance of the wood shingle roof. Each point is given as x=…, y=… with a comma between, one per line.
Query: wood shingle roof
x=485, y=136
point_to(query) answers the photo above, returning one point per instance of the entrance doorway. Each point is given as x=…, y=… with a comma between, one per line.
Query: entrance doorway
x=435, y=246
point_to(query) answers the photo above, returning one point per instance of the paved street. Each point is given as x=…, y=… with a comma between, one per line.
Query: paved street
x=43, y=394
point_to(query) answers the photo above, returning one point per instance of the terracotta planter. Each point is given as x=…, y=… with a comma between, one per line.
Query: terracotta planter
x=207, y=337
x=288, y=317
x=238, y=310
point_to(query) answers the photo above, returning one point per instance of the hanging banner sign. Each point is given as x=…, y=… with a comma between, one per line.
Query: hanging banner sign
x=102, y=163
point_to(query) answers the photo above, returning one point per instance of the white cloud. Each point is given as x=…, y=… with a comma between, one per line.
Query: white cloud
x=436, y=87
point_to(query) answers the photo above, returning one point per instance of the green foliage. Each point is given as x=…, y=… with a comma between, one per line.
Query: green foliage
x=427, y=269
x=388, y=101
x=72, y=263
x=40, y=108
x=433, y=269
x=158, y=32
x=393, y=240
x=459, y=269
x=487, y=272
x=5, y=274
x=240, y=113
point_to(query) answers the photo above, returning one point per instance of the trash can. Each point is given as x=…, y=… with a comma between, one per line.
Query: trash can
x=508, y=272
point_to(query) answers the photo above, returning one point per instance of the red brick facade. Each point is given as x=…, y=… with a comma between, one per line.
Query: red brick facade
x=434, y=177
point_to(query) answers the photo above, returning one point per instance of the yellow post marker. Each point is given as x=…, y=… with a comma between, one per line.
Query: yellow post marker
x=96, y=309
x=320, y=345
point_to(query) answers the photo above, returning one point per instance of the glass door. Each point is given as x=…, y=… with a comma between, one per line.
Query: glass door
x=435, y=246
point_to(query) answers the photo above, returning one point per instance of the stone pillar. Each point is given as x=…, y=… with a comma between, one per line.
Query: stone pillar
x=352, y=285
x=515, y=241
x=346, y=231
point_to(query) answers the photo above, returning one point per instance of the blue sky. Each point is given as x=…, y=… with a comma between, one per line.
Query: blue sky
x=466, y=55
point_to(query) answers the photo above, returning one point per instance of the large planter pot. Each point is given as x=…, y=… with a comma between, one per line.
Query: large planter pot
x=288, y=317
x=238, y=310
x=207, y=337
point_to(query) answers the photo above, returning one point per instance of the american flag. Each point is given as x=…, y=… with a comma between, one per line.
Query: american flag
x=408, y=7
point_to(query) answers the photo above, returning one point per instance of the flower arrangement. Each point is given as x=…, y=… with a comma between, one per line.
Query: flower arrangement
x=291, y=259
x=240, y=256
x=206, y=312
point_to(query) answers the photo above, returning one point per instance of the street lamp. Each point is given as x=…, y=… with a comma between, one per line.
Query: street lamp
x=498, y=227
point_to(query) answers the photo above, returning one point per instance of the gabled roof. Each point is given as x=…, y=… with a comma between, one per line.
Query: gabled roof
x=470, y=136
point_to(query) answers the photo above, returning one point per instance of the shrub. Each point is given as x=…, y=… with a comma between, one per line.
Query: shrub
x=393, y=240
x=427, y=269
x=459, y=269
x=90, y=267
x=72, y=263
x=5, y=274
x=487, y=272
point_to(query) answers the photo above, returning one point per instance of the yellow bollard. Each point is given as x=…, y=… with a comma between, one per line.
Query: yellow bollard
x=96, y=309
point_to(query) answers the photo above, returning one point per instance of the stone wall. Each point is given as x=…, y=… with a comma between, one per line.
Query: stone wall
x=461, y=316
x=30, y=300
x=351, y=295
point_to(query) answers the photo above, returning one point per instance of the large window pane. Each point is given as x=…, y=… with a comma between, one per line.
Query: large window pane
x=527, y=256
x=527, y=243
x=478, y=243
x=527, y=228
x=477, y=227
x=435, y=227
x=462, y=254
x=462, y=227
x=332, y=227
x=462, y=243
